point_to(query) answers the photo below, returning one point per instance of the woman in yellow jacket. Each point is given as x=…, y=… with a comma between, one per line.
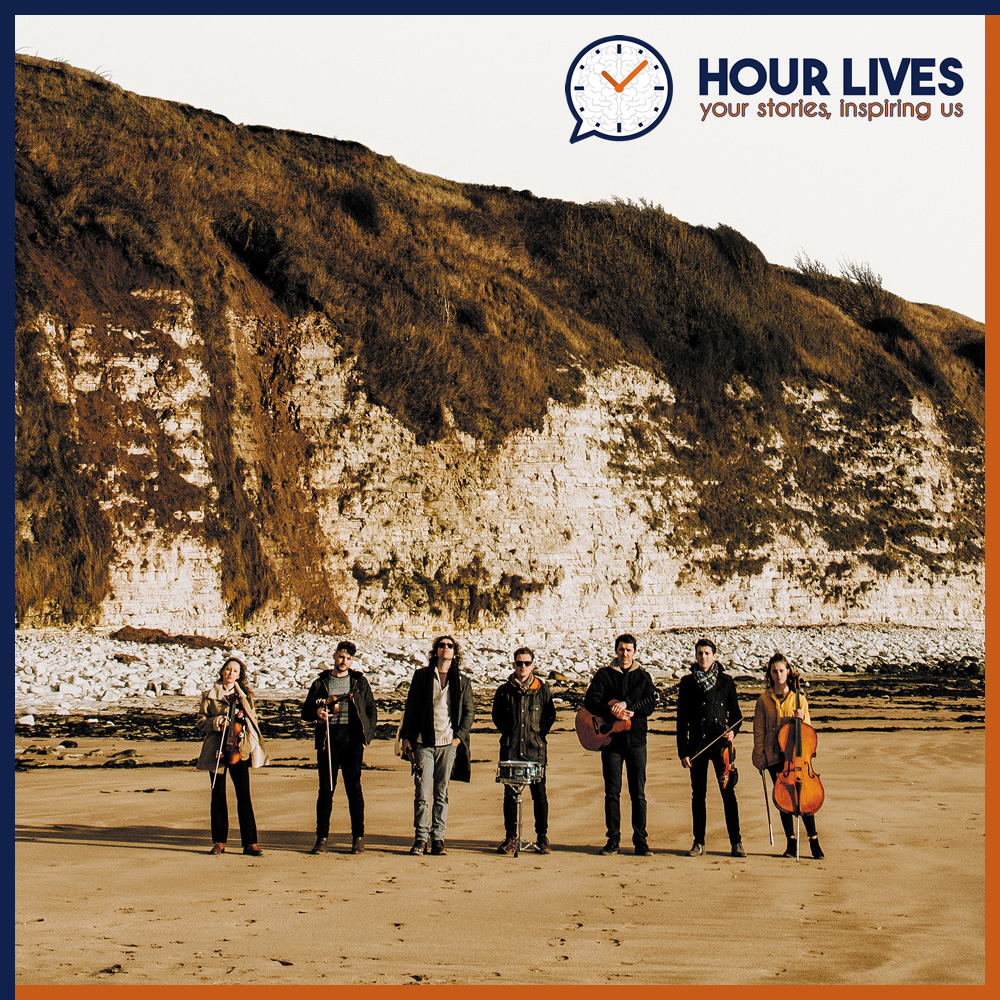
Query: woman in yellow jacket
x=775, y=706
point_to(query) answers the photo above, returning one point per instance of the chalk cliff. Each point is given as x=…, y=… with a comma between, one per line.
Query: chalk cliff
x=213, y=446
x=574, y=524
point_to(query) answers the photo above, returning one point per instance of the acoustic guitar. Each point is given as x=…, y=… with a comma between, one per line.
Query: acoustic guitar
x=594, y=732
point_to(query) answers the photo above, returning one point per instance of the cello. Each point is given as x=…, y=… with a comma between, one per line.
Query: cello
x=797, y=788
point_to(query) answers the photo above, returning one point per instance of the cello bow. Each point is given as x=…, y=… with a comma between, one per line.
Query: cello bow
x=767, y=806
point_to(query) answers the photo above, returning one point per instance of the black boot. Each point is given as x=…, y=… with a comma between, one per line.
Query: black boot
x=790, y=849
x=817, y=851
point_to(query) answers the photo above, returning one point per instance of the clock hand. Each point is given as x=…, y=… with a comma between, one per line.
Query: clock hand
x=614, y=83
x=632, y=75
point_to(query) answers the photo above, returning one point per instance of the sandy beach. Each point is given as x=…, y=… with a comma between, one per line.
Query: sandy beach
x=114, y=885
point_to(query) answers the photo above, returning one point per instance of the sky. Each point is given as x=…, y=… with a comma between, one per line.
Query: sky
x=482, y=99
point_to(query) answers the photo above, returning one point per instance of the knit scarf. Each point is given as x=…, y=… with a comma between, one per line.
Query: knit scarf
x=706, y=678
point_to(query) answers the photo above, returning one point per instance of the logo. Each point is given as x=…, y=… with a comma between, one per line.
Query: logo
x=618, y=88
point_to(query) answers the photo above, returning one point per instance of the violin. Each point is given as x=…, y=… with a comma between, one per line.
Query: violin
x=797, y=788
x=729, y=773
x=234, y=734
x=331, y=703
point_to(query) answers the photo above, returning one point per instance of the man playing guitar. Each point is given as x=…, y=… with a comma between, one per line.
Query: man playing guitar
x=624, y=691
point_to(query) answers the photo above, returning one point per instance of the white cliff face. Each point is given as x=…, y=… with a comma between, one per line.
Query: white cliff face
x=571, y=526
x=159, y=578
x=558, y=526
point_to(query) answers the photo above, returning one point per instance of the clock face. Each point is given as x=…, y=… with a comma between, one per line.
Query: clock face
x=618, y=88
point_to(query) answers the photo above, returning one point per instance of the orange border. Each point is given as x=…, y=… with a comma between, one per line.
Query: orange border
x=991, y=220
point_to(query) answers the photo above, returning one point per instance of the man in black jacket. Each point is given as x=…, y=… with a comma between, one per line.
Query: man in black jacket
x=437, y=721
x=624, y=691
x=341, y=704
x=523, y=712
x=708, y=709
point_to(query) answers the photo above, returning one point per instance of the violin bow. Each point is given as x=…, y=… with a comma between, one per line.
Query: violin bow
x=719, y=737
x=222, y=743
x=329, y=758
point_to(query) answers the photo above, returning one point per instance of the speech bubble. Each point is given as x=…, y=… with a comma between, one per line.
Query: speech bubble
x=618, y=87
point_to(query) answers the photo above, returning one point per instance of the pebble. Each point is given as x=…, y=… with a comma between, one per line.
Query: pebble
x=58, y=670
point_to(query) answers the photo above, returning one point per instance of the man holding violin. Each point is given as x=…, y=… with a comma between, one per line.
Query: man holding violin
x=708, y=714
x=341, y=704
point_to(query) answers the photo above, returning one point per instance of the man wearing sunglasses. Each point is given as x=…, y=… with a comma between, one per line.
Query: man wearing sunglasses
x=437, y=721
x=523, y=712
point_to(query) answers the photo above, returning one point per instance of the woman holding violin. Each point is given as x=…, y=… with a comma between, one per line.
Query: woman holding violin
x=232, y=744
x=779, y=711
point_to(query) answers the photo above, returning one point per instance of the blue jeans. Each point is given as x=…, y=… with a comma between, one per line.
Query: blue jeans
x=430, y=780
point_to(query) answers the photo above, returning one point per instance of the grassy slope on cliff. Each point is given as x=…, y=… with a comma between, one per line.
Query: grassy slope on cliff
x=484, y=300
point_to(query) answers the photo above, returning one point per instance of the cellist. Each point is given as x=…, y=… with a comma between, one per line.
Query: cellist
x=232, y=744
x=774, y=707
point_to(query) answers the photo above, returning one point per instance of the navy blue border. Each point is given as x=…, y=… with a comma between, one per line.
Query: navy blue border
x=583, y=9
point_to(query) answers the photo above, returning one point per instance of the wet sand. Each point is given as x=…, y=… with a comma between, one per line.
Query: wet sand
x=114, y=885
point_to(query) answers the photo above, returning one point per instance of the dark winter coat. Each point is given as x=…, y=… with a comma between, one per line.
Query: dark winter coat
x=524, y=718
x=635, y=687
x=703, y=715
x=361, y=713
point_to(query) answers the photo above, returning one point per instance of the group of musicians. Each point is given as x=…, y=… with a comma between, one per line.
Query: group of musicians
x=437, y=722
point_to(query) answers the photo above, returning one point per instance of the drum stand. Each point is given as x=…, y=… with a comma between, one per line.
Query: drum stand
x=525, y=844
x=515, y=774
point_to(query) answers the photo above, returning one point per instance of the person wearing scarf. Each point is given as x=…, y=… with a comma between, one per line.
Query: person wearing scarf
x=707, y=706
x=523, y=712
x=227, y=703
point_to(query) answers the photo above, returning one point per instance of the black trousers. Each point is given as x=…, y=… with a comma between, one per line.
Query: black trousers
x=539, y=801
x=613, y=756
x=699, y=786
x=239, y=775
x=346, y=758
x=808, y=822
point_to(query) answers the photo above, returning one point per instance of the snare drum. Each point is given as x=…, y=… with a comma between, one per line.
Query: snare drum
x=519, y=772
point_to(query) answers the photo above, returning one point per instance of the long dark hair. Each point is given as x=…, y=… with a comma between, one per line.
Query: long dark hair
x=242, y=679
x=456, y=661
